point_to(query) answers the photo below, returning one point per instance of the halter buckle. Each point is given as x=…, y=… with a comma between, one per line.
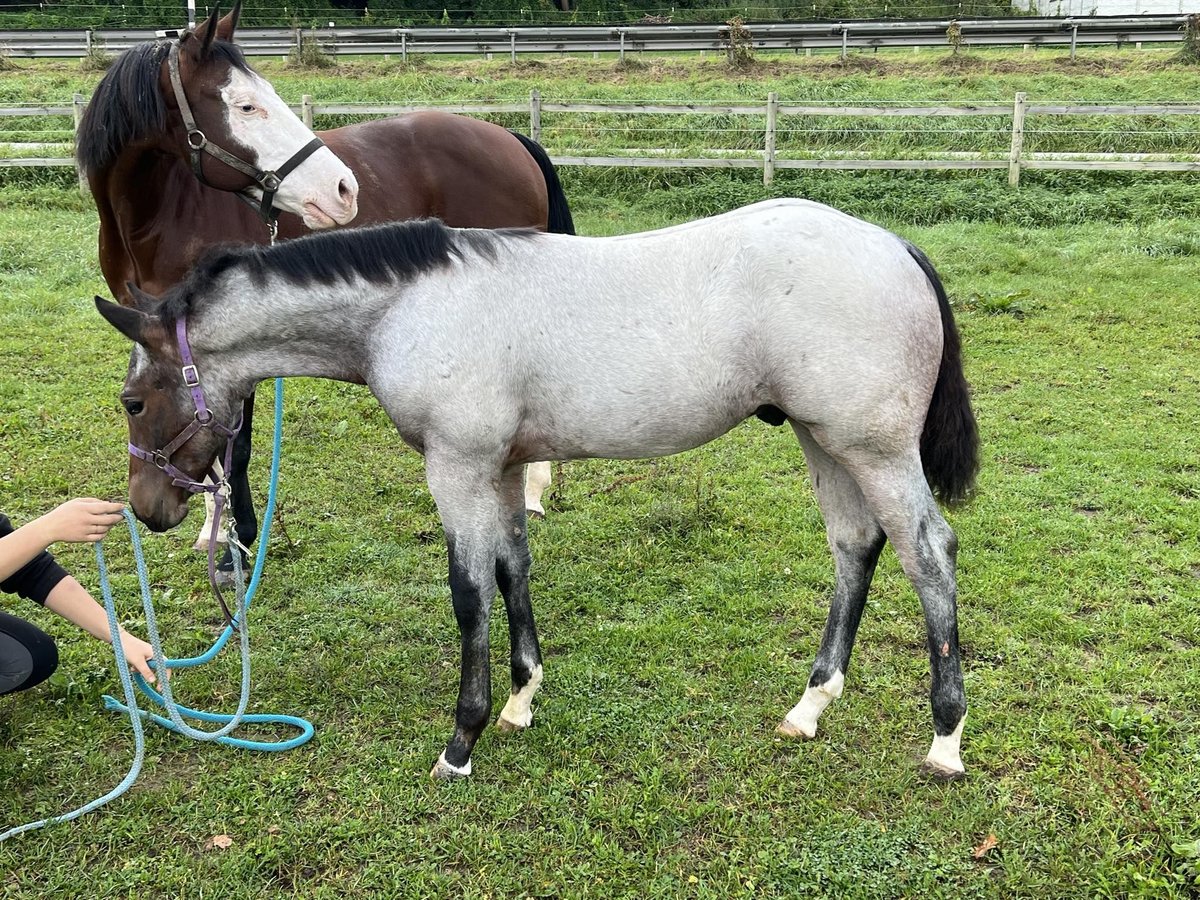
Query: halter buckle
x=204, y=417
x=270, y=181
x=191, y=376
x=196, y=139
x=160, y=459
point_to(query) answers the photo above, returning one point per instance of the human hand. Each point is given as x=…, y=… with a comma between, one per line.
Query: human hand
x=139, y=654
x=83, y=520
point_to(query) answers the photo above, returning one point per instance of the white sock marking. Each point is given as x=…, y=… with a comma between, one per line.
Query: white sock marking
x=445, y=767
x=804, y=714
x=537, y=479
x=944, y=753
x=516, y=711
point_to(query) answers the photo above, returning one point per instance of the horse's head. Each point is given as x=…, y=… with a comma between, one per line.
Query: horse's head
x=178, y=427
x=236, y=113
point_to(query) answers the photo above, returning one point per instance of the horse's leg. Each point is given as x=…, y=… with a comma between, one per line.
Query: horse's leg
x=240, y=500
x=210, y=510
x=512, y=574
x=855, y=540
x=537, y=479
x=898, y=495
x=470, y=509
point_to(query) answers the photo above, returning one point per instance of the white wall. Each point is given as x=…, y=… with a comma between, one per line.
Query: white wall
x=1113, y=7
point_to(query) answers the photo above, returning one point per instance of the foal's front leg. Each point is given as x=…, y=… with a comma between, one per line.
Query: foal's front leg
x=468, y=504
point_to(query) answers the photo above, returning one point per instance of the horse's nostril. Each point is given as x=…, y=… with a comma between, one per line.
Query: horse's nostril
x=344, y=190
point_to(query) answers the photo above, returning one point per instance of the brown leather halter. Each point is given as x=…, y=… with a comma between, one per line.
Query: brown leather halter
x=198, y=143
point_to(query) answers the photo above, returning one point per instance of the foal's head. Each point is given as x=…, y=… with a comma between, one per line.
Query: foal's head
x=160, y=406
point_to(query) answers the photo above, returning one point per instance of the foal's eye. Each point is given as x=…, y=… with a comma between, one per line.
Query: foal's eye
x=134, y=407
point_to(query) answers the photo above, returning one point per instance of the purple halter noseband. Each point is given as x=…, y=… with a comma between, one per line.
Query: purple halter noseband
x=203, y=419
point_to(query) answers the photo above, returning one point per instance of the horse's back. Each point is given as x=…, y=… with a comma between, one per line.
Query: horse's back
x=464, y=171
x=785, y=304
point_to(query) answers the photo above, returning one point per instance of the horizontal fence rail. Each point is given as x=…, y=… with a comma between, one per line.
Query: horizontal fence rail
x=763, y=125
x=1057, y=31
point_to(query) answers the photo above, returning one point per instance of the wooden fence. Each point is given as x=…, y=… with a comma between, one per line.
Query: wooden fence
x=770, y=113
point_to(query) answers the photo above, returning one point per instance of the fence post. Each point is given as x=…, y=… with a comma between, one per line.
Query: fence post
x=1074, y=40
x=769, y=143
x=535, y=115
x=845, y=41
x=306, y=110
x=404, y=46
x=77, y=107
x=621, y=52
x=1018, y=140
x=512, y=43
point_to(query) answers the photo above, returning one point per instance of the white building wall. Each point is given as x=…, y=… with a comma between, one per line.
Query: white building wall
x=1112, y=7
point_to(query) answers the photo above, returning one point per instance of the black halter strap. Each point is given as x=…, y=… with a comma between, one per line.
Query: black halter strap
x=268, y=181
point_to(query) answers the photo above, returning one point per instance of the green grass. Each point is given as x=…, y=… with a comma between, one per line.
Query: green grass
x=679, y=601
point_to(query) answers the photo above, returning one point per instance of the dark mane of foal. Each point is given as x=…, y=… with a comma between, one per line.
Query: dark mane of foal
x=380, y=254
x=127, y=104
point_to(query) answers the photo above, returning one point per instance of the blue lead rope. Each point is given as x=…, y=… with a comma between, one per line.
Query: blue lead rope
x=174, y=710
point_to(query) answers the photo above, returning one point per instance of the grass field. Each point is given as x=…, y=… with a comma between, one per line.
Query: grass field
x=680, y=602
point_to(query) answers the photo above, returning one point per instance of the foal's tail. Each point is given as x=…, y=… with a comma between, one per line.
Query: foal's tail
x=560, y=221
x=950, y=440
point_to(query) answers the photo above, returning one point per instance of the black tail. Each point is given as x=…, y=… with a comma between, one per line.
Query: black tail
x=950, y=440
x=560, y=214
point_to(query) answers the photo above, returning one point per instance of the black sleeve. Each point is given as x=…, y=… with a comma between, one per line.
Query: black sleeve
x=37, y=578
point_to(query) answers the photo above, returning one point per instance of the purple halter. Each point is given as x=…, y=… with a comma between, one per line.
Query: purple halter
x=202, y=419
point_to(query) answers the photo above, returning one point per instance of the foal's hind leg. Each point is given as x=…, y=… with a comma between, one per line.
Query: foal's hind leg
x=856, y=540
x=512, y=575
x=897, y=493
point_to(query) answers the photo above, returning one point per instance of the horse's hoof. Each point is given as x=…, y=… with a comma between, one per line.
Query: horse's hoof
x=225, y=578
x=444, y=771
x=938, y=772
x=202, y=543
x=789, y=729
x=506, y=727
x=535, y=512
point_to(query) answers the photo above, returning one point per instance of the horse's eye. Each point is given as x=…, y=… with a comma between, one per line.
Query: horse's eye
x=134, y=407
x=247, y=107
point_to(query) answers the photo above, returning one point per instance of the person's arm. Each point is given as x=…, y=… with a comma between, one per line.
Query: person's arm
x=82, y=520
x=70, y=600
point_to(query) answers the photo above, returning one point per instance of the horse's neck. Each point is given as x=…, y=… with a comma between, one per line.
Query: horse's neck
x=280, y=329
x=156, y=220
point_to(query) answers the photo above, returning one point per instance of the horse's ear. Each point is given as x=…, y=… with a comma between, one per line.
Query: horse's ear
x=206, y=33
x=141, y=300
x=227, y=26
x=130, y=322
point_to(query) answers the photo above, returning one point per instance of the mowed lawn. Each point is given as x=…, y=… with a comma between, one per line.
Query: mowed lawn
x=680, y=603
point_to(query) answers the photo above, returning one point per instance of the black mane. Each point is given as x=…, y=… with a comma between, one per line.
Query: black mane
x=127, y=104
x=396, y=252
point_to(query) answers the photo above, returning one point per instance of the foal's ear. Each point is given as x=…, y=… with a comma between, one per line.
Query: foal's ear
x=133, y=323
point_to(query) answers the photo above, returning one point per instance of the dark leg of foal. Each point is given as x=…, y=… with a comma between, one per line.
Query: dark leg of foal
x=470, y=509
x=512, y=575
x=855, y=540
x=241, y=502
x=898, y=494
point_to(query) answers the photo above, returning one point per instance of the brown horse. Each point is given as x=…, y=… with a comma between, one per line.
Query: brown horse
x=175, y=128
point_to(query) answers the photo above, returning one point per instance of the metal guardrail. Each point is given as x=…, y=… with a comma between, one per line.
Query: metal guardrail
x=1072, y=31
